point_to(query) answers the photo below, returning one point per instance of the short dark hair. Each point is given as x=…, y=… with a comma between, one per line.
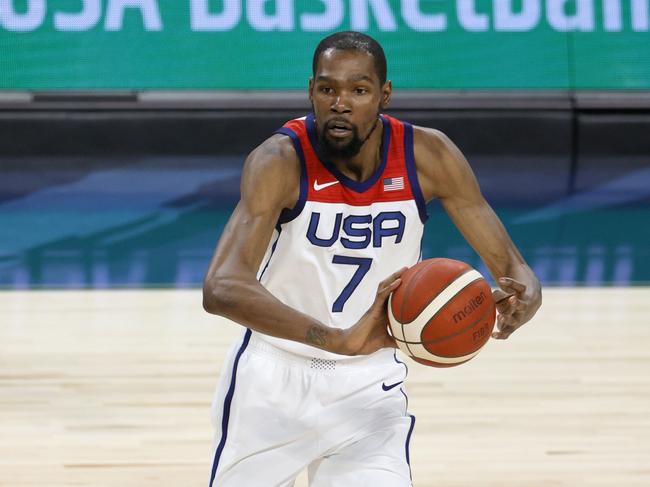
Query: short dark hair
x=350, y=40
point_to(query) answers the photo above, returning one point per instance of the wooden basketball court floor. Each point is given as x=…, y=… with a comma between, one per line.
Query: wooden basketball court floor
x=112, y=388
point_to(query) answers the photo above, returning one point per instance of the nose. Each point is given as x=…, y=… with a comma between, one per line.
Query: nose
x=341, y=105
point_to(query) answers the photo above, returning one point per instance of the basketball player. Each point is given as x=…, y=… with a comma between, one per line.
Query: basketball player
x=331, y=213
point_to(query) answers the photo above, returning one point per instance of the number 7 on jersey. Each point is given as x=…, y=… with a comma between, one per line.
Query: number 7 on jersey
x=363, y=266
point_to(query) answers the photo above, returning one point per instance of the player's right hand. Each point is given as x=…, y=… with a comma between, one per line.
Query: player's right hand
x=370, y=333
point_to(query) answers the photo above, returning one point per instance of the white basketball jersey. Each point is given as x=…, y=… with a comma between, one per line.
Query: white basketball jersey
x=329, y=253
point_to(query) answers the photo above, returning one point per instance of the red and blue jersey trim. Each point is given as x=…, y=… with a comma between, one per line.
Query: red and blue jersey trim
x=397, y=164
x=290, y=214
x=411, y=169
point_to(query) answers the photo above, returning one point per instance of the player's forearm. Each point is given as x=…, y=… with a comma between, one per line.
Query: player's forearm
x=505, y=261
x=487, y=235
x=247, y=302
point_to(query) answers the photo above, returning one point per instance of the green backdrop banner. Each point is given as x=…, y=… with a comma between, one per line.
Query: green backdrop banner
x=268, y=44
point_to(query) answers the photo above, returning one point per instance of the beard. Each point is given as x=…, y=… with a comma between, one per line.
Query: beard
x=334, y=149
x=329, y=149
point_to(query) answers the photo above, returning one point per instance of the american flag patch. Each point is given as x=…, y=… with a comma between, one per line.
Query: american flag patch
x=394, y=184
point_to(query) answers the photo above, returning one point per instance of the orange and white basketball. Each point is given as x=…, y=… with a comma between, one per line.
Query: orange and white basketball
x=443, y=312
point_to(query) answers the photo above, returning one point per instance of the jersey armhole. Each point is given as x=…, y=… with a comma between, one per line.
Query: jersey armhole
x=288, y=215
x=412, y=172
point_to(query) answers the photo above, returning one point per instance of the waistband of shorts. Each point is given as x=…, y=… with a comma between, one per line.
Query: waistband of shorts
x=379, y=358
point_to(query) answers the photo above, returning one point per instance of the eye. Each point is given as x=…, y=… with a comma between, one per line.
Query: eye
x=326, y=89
x=360, y=90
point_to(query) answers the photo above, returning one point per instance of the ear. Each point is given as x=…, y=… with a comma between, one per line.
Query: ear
x=386, y=93
x=310, y=90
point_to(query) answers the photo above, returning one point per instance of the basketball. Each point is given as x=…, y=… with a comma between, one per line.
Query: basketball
x=443, y=312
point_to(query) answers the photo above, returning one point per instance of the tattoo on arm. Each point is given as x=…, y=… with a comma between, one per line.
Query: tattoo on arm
x=316, y=335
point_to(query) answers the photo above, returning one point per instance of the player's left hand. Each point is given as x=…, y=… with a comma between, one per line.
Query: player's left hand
x=515, y=306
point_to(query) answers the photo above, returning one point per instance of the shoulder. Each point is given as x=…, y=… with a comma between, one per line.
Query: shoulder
x=272, y=172
x=438, y=161
x=430, y=142
x=275, y=154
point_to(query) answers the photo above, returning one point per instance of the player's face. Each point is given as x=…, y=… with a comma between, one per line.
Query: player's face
x=347, y=97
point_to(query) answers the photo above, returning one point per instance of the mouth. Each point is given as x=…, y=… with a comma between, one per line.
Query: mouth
x=339, y=129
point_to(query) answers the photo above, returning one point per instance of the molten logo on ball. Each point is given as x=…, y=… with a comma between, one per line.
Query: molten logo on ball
x=471, y=305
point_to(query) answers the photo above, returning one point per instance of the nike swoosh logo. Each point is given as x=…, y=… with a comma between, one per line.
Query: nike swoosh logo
x=318, y=187
x=388, y=388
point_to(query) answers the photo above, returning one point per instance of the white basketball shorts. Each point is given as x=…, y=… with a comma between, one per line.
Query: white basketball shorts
x=276, y=413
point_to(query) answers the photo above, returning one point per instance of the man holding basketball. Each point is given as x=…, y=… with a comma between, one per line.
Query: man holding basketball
x=331, y=213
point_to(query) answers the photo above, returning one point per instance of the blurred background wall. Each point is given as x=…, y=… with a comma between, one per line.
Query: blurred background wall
x=124, y=125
